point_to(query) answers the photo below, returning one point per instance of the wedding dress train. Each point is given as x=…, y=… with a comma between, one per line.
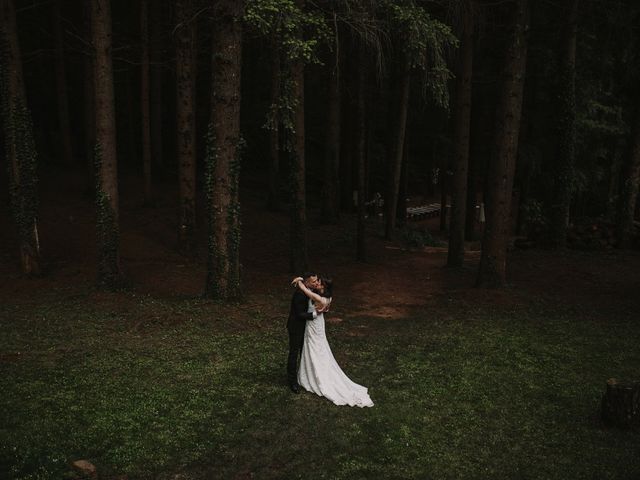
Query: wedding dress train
x=320, y=373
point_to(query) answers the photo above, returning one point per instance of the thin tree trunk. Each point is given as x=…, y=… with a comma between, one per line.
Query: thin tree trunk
x=131, y=117
x=20, y=149
x=144, y=101
x=629, y=193
x=565, y=154
x=445, y=183
x=361, y=253
x=523, y=199
x=299, y=258
x=461, y=142
x=186, y=128
x=89, y=106
x=155, y=84
x=403, y=191
x=223, y=280
x=492, y=270
x=615, y=169
x=61, y=86
x=391, y=202
x=330, y=203
x=273, y=199
x=347, y=124
x=109, y=273
x=472, y=200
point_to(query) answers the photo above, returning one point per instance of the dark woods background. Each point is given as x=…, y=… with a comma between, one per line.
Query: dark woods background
x=369, y=66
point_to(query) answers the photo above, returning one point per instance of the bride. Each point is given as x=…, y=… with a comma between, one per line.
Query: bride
x=319, y=372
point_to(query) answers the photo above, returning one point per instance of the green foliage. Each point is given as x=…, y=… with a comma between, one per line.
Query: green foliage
x=418, y=237
x=602, y=119
x=608, y=78
x=299, y=34
x=533, y=216
x=284, y=20
x=424, y=40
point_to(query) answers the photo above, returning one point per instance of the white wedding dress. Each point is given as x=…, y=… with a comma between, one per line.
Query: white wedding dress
x=320, y=373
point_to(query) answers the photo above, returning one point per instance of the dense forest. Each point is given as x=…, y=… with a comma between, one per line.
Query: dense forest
x=523, y=113
x=461, y=176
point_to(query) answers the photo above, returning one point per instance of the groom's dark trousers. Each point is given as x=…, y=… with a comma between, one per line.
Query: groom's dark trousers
x=298, y=317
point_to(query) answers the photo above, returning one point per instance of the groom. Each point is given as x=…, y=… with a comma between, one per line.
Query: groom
x=298, y=316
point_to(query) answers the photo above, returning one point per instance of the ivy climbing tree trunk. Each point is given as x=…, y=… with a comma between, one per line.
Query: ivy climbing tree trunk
x=629, y=190
x=20, y=150
x=397, y=153
x=223, y=162
x=461, y=140
x=566, y=147
x=106, y=167
x=186, y=130
x=61, y=86
x=298, y=259
x=144, y=100
x=330, y=203
x=501, y=169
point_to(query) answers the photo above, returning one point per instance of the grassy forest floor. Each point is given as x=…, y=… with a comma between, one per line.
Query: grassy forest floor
x=156, y=382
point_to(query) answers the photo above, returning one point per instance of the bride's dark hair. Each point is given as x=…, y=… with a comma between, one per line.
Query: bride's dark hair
x=327, y=283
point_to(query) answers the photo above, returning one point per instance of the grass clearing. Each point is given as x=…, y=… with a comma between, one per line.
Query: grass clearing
x=149, y=387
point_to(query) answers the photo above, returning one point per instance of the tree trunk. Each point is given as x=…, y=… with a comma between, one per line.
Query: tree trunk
x=223, y=164
x=523, y=199
x=492, y=268
x=299, y=258
x=445, y=184
x=361, y=137
x=109, y=273
x=615, y=170
x=472, y=200
x=144, y=101
x=330, y=203
x=347, y=128
x=132, y=115
x=61, y=86
x=629, y=191
x=89, y=107
x=273, y=199
x=186, y=128
x=403, y=191
x=461, y=141
x=155, y=84
x=391, y=202
x=20, y=149
x=565, y=153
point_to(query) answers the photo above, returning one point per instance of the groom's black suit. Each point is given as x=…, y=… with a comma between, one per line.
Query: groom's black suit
x=298, y=316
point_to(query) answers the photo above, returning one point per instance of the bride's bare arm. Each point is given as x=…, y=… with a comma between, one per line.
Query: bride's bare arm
x=312, y=295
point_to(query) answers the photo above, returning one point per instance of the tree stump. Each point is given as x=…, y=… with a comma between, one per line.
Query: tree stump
x=621, y=404
x=85, y=469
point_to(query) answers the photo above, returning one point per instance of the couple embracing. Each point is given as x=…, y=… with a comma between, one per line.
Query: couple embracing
x=319, y=372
